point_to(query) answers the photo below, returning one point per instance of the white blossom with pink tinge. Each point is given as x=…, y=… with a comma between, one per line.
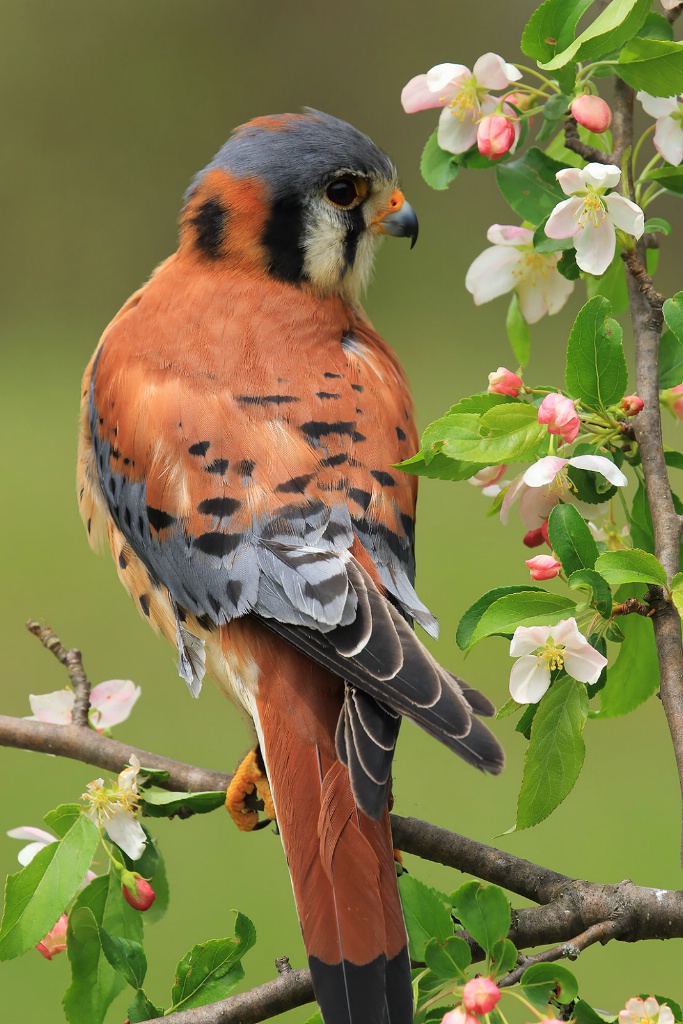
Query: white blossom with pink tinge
x=113, y=809
x=464, y=96
x=542, y=485
x=646, y=1011
x=489, y=480
x=111, y=702
x=591, y=215
x=38, y=839
x=542, y=649
x=511, y=264
x=668, y=113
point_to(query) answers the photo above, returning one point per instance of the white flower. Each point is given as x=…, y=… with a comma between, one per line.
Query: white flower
x=541, y=649
x=646, y=1011
x=113, y=809
x=464, y=96
x=512, y=263
x=489, y=480
x=111, y=703
x=545, y=483
x=38, y=839
x=668, y=111
x=589, y=217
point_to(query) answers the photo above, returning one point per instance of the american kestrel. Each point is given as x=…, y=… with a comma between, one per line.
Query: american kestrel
x=240, y=425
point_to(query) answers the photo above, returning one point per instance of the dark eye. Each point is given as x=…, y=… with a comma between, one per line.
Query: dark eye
x=342, y=192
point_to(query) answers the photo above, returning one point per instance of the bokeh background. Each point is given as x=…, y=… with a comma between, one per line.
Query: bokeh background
x=108, y=109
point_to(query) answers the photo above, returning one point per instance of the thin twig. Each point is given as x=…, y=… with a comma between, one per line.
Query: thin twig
x=573, y=141
x=73, y=662
x=602, y=932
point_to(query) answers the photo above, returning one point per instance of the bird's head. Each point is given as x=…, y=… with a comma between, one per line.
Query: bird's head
x=301, y=197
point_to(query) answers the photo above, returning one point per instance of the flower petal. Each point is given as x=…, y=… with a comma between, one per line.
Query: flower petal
x=32, y=834
x=112, y=702
x=556, y=290
x=585, y=664
x=625, y=214
x=535, y=505
x=658, y=106
x=595, y=246
x=54, y=707
x=526, y=639
x=529, y=680
x=126, y=831
x=563, y=222
x=447, y=78
x=454, y=135
x=493, y=72
x=417, y=95
x=509, y=234
x=532, y=302
x=545, y=470
x=511, y=495
x=570, y=180
x=599, y=464
x=492, y=273
x=669, y=140
x=601, y=175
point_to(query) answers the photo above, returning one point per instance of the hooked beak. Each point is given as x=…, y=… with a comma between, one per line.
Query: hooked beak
x=402, y=223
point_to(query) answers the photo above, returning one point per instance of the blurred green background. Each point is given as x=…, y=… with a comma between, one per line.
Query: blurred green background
x=108, y=109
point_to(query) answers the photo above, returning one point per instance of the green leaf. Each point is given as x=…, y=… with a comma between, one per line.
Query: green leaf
x=523, y=609
x=36, y=896
x=544, y=244
x=427, y=914
x=518, y=332
x=555, y=754
x=612, y=285
x=634, y=676
x=677, y=593
x=656, y=26
x=503, y=957
x=126, y=956
x=601, y=595
x=620, y=20
x=591, y=487
x=159, y=881
x=141, y=1009
x=159, y=803
x=62, y=818
x=583, y=1013
x=657, y=225
x=472, y=616
x=541, y=980
x=567, y=265
x=673, y=314
x=571, y=540
x=437, y=166
x=654, y=65
x=94, y=983
x=484, y=911
x=439, y=467
x=510, y=707
x=632, y=566
x=596, y=368
x=551, y=28
x=670, y=359
x=530, y=186
x=448, y=959
x=504, y=434
x=155, y=774
x=211, y=969
x=670, y=178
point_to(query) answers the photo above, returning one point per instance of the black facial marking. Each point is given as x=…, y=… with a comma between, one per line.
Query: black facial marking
x=200, y=448
x=385, y=479
x=218, y=544
x=89, y=525
x=209, y=222
x=362, y=498
x=357, y=387
x=334, y=460
x=327, y=394
x=315, y=429
x=122, y=560
x=282, y=239
x=356, y=222
x=144, y=603
x=263, y=399
x=219, y=466
x=219, y=507
x=159, y=519
x=295, y=485
x=400, y=434
x=245, y=467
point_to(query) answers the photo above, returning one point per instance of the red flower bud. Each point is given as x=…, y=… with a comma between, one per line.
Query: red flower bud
x=544, y=531
x=495, y=136
x=137, y=891
x=543, y=567
x=560, y=416
x=504, y=382
x=592, y=112
x=534, y=538
x=480, y=995
x=55, y=940
x=631, y=405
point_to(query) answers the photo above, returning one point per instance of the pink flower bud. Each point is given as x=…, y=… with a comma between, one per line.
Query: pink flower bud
x=459, y=1016
x=631, y=405
x=592, y=112
x=559, y=413
x=504, y=382
x=534, y=538
x=480, y=995
x=55, y=940
x=137, y=891
x=495, y=136
x=675, y=403
x=520, y=100
x=543, y=567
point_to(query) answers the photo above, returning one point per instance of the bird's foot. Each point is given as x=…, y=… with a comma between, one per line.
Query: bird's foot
x=249, y=779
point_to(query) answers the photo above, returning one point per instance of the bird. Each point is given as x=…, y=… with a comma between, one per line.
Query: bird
x=241, y=424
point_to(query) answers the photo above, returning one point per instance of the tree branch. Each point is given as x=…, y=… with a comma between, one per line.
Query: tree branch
x=572, y=141
x=73, y=663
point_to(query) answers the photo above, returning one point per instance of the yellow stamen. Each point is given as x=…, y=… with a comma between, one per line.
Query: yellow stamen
x=551, y=656
x=593, y=210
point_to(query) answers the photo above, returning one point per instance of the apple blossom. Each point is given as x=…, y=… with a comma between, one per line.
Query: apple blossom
x=111, y=702
x=489, y=480
x=559, y=413
x=631, y=405
x=37, y=838
x=668, y=113
x=589, y=217
x=512, y=264
x=480, y=995
x=542, y=649
x=137, y=891
x=496, y=136
x=463, y=94
x=543, y=567
x=55, y=940
x=113, y=808
x=459, y=1016
x=504, y=382
x=670, y=5
x=646, y=1011
x=544, y=483
x=592, y=112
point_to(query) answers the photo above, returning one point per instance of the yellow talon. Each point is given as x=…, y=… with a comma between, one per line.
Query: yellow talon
x=249, y=776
